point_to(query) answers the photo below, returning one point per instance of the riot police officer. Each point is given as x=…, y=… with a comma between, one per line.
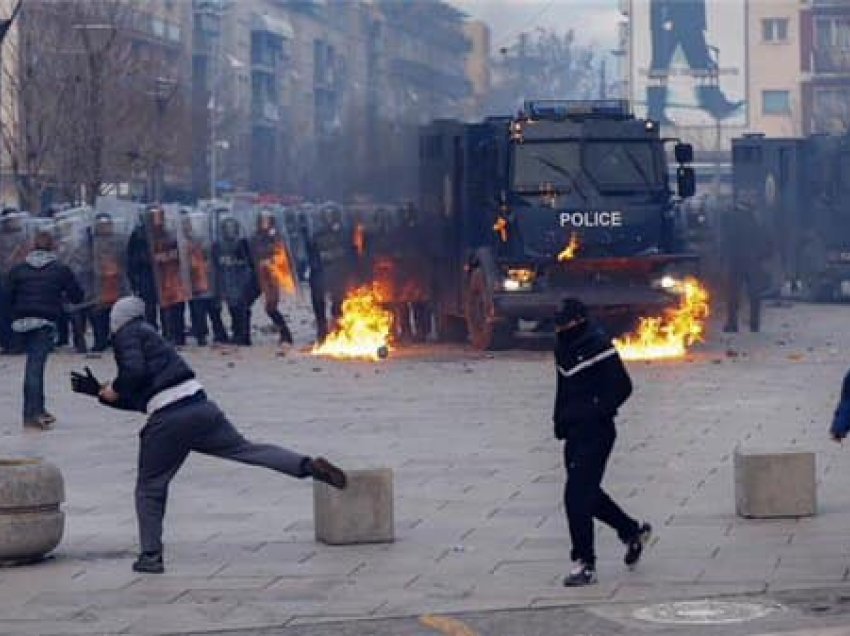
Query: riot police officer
x=140, y=272
x=237, y=284
x=746, y=247
x=332, y=257
x=267, y=250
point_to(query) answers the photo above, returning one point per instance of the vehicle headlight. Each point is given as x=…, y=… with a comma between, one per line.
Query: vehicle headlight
x=670, y=283
x=519, y=279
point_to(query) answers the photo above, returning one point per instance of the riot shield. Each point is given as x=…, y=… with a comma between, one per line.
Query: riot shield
x=272, y=257
x=163, y=232
x=109, y=251
x=234, y=272
x=74, y=248
x=14, y=240
x=196, y=253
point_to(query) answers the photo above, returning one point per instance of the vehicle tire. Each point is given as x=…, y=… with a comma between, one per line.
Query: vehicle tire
x=451, y=328
x=486, y=332
x=31, y=523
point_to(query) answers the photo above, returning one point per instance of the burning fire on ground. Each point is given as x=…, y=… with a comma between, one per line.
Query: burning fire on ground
x=571, y=250
x=670, y=335
x=363, y=331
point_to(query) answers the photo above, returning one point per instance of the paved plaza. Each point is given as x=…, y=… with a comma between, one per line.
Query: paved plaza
x=478, y=483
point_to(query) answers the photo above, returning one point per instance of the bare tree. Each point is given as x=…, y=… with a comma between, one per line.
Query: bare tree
x=542, y=64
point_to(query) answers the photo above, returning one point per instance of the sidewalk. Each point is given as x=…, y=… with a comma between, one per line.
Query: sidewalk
x=478, y=481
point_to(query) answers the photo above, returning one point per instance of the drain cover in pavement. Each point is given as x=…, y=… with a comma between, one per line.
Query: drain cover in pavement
x=703, y=612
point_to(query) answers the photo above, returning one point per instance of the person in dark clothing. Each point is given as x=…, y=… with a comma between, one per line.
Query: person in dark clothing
x=274, y=268
x=236, y=279
x=153, y=378
x=332, y=256
x=746, y=248
x=140, y=272
x=37, y=289
x=592, y=385
x=841, y=419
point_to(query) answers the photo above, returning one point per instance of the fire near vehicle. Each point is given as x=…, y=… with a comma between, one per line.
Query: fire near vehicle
x=800, y=188
x=566, y=199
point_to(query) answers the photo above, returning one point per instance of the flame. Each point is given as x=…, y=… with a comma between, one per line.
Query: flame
x=280, y=269
x=359, y=239
x=364, y=329
x=571, y=250
x=670, y=335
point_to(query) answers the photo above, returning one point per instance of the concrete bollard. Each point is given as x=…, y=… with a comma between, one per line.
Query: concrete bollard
x=362, y=513
x=31, y=523
x=775, y=484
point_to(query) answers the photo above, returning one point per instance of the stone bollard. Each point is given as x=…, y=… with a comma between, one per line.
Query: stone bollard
x=31, y=523
x=775, y=484
x=362, y=513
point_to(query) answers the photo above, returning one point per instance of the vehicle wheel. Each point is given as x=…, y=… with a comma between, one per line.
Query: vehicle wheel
x=485, y=331
x=451, y=328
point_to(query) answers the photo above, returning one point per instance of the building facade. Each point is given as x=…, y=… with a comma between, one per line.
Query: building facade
x=320, y=99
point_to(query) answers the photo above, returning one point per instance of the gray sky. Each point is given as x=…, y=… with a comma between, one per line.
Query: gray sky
x=594, y=21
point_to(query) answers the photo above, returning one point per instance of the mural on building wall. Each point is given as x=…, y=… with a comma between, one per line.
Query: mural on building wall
x=689, y=61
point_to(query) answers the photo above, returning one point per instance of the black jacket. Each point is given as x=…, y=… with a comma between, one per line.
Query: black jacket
x=40, y=291
x=592, y=382
x=146, y=365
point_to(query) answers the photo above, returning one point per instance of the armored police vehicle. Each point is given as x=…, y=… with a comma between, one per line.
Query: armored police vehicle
x=800, y=189
x=565, y=199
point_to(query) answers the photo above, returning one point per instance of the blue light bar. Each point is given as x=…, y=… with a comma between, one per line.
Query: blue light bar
x=564, y=108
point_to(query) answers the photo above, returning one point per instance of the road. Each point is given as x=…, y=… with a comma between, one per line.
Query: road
x=481, y=536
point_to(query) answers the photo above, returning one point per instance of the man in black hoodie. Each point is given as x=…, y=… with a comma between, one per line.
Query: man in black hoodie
x=38, y=288
x=154, y=379
x=592, y=385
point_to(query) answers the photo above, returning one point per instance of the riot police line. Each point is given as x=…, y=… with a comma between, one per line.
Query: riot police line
x=218, y=259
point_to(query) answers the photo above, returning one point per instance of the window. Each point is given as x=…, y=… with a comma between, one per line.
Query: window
x=833, y=32
x=775, y=103
x=774, y=30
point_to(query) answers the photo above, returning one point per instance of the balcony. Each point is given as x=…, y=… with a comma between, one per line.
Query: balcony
x=265, y=113
x=831, y=60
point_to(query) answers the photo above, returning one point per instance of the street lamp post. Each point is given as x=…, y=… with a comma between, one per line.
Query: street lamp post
x=165, y=89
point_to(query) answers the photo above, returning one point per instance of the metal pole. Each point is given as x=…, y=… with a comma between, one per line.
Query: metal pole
x=213, y=91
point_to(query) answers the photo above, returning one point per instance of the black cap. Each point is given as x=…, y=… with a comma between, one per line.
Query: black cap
x=571, y=309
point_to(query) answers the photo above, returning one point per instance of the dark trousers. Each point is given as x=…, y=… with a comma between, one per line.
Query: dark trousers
x=100, y=327
x=584, y=498
x=174, y=324
x=750, y=282
x=280, y=322
x=5, y=321
x=201, y=310
x=80, y=319
x=38, y=344
x=63, y=328
x=167, y=439
x=318, y=298
x=240, y=322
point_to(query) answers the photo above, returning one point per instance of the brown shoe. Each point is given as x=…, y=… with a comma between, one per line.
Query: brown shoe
x=322, y=470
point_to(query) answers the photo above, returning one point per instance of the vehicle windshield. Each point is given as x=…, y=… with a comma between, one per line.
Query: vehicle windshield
x=609, y=165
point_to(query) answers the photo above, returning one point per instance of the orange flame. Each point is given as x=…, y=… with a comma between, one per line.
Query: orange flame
x=364, y=329
x=571, y=250
x=281, y=270
x=359, y=239
x=670, y=335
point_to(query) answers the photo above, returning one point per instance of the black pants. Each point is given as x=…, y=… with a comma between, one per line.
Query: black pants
x=80, y=319
x=201, y=310
x=168, y=438
x=240, y=322
x=584, y=498
x=100, y=327
x=151, y=312
x=174, y=324
x=5, y=321
x=318, y=298
x=751, y=282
